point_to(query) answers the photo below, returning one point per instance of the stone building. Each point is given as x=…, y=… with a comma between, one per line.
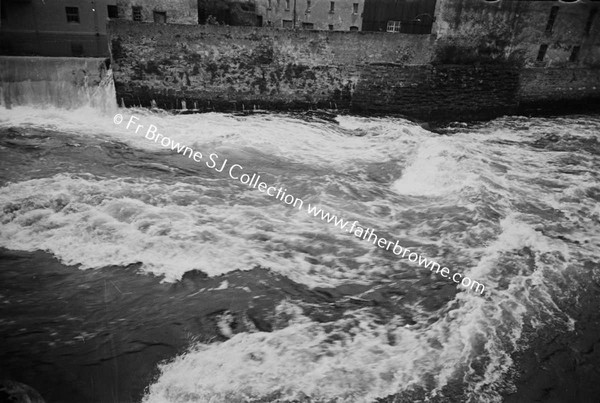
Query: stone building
x=159, y=11
x=332, y=15
x=55, y=28
x=229, y=12
x=404, y=16
x=534, y=33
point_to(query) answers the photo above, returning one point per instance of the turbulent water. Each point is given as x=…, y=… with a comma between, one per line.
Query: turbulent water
x=512, y=203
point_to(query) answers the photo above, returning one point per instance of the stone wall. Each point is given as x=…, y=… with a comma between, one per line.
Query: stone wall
x=437, y=92
x=233, y=68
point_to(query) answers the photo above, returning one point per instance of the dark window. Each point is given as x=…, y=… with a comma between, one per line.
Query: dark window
x=269, y=4
x=287, y=4
x=113, y=11
x=332, y=6
x=287, y=24
x=331, y=27
x=542, y=52
x=355, y=8
x=574, y=54
x=136, y=13
x=590, y=20
x=160, y=17
x=551, y=19
x=353, y=28
x=308, y=6
x=72, y=14
x=76, y=49
x=308, y=25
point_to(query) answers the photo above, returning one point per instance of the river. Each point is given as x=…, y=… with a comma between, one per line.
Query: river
x=130, y=272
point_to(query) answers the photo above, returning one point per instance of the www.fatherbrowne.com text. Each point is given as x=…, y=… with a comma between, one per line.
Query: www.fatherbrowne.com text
x=236, y=172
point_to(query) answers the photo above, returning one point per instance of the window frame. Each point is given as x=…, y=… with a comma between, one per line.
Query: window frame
x=72, y=14
x=395, y=26
x=136, y=10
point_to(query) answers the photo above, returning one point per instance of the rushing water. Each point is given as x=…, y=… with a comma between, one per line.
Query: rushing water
x=512, y=203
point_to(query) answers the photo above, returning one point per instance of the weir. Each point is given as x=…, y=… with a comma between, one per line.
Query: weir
x=63, y=82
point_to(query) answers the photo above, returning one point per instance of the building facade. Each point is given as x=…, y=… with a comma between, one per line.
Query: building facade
x=57, y=16
x=55, y=28
x=332, y=15
x=159, y=11
x=399, y=16
x=533, y=33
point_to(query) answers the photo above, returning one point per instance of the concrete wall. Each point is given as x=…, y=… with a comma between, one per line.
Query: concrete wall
x=59, y=81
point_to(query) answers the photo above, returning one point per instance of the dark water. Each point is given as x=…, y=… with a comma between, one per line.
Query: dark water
x=119, y=254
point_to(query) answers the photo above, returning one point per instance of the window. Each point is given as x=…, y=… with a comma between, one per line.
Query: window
x=287, y=24
x=331, y=27
x=269, y=5
x=72, y=14
x=160, y=17
x=393, y=26
x=308, y=6
x=551, y=19
x=574, y=54
x=308, y=25
x=136, y=12
x=287, y=4
x=590, y=21
x=542, y=52
x=113, y=11
x=355, y=8
x=353, y=28
x=332, y=6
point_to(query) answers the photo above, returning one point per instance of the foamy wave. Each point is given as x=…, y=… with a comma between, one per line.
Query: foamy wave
x=173, y=228
x=436, y=168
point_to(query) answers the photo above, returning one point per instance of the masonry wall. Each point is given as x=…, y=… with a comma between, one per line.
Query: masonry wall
x=231, y=68
x=420, y=76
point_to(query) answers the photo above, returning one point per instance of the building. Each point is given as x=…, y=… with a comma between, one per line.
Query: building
x=404, y=16
x=229, y=12
x=333, y=15
x=55, y=28
x=160, y=11
x=534, y=33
